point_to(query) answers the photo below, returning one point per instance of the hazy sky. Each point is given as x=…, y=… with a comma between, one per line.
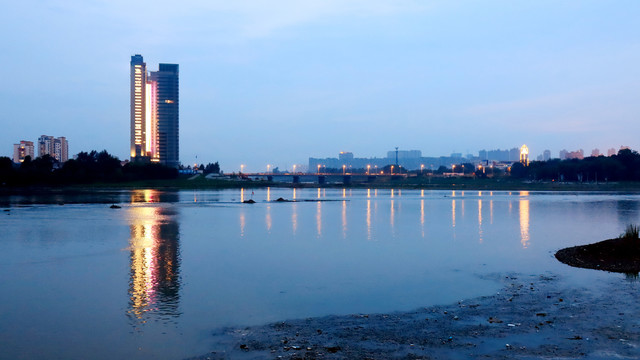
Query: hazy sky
x=274, y=82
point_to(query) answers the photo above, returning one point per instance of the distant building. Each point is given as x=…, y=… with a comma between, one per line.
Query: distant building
x=511, y=155
x=155, y=113
x=22, y=150
x=409, y=159
x=546, y=155
x=611, y=152
x=565, y=155
x=524, y=155
x=57, y=148
x=345, y=156
x=595, y=152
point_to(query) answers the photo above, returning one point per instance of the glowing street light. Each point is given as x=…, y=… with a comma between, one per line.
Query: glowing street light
x=391, y=169
x=241, y=168
x=421, y=169
x=318, y=169
x=368, y=169
x=343, y=168
x=294, y=168
x=268, y=167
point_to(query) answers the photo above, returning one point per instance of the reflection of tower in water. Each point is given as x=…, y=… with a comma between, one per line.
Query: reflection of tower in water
x=524, y=219
x=155, y=263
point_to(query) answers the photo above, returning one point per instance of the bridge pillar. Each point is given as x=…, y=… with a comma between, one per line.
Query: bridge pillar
x=296, y=179
x=270, y=178
x=346, y=180
x=322, y=179
x=371, y=178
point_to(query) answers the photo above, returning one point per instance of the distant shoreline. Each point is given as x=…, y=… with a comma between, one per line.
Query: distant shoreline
x=410, y=183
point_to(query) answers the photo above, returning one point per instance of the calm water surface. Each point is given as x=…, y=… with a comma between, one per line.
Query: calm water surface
x=156, y=277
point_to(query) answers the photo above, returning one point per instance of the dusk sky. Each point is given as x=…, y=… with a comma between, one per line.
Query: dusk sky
x=275, y=82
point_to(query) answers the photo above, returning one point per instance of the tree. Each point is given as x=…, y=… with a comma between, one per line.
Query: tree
x=212, y=168
x=518, y=170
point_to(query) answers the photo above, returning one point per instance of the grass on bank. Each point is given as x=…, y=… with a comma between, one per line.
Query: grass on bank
x=632, y=232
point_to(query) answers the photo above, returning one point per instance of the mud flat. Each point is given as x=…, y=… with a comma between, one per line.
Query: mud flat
x=616, y=255
x=532, y=317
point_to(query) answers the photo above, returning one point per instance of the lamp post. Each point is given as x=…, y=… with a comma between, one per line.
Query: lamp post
x=368, y=169
x=241, y=168
x=343, y=168
x=294, y=168
x=318, y=169
x=268, y=167
x=391, y=169
x=422, y=169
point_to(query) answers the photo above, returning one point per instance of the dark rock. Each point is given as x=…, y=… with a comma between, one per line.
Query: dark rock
x=333, y=349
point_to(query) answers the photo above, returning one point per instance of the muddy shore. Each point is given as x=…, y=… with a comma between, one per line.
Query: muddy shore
x=532, y=317
x=616, y=255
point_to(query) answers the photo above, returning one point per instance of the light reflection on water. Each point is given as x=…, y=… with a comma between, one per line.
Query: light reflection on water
x=154, y=286
x=191, y=261
x=155, y=263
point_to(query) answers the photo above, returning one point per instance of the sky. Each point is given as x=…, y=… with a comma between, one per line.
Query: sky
x=276, y=82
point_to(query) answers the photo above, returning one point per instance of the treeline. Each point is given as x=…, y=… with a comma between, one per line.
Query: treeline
x=86, y=168
x=625, y=166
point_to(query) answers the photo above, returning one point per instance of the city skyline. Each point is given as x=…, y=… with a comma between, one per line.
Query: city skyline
x=266, y=83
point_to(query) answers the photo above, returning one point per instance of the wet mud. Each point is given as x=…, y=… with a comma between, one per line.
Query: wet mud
x=532, y=317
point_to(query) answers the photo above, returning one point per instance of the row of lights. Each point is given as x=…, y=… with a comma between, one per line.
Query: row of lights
x=344, y=167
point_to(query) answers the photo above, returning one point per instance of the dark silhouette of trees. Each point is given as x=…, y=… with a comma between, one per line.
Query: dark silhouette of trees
x=625, y=166
x=86, y=168
x=518, y=170
x=212, y=168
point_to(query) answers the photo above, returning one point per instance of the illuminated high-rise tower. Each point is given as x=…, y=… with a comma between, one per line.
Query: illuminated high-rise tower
x=165, y=88
x=138, y=107
x=155, y=113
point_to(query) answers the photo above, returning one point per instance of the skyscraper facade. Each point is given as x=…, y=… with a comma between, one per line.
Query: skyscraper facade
x=57, y=148
x=155, y=113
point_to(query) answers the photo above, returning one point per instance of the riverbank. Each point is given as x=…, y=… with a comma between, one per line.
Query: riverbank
x=617, y=255
x=532, y=317
x=417, y=183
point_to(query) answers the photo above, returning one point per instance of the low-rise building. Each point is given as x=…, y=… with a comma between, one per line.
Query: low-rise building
x=22, y=150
